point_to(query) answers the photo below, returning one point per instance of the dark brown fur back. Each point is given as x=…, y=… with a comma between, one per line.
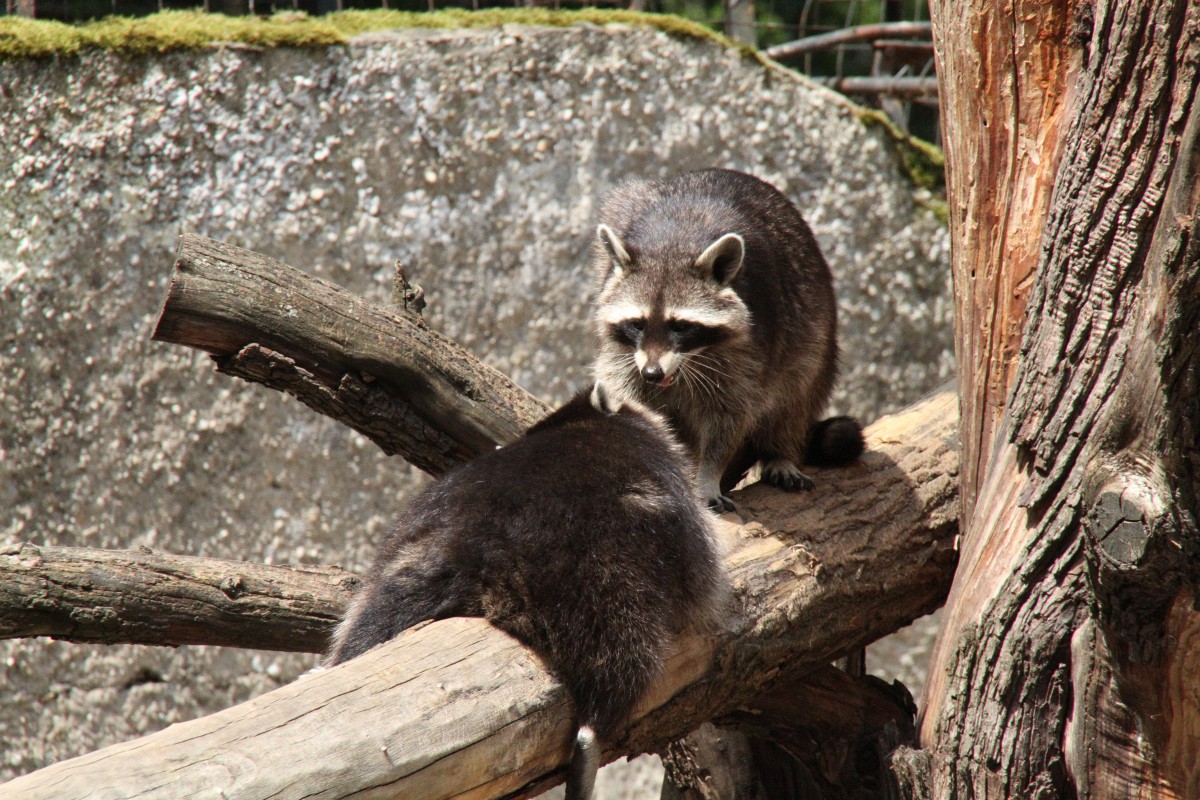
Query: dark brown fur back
x=583, y=539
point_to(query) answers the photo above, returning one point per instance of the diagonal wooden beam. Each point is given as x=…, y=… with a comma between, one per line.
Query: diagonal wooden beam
x=383, y=372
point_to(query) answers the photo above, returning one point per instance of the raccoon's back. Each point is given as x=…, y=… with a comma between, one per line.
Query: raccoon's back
x=587, y=544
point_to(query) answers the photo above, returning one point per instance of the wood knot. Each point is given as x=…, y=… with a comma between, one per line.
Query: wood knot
x=233, y=586
x=1120, y=529
x=1137, y=558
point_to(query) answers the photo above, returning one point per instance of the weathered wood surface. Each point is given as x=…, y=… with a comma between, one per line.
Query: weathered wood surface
x=384, y=373
x=1002, y=112
x=457, y=709
x=82, y=594
x=1067, y=662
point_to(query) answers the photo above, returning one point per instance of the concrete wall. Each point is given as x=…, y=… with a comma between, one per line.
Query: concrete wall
x=475, y=157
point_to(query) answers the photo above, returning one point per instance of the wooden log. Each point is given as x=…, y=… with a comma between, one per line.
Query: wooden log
x=457, y=709
x=147, y=597
x=384, y=373
x=82, y=594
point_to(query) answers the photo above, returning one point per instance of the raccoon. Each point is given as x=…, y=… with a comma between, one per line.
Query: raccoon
x=584, y=539
x=716, y=308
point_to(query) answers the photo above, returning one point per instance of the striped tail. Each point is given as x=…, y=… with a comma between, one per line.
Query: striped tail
x=585, y=761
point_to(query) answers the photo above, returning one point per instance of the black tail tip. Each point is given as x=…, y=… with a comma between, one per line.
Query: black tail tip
x=835, y=442
x=585, y=762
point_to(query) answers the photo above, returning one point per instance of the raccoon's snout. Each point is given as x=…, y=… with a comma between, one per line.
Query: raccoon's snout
x=654, y=373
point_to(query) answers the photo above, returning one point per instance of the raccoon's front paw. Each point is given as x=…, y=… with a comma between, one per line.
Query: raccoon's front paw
x=721, y=504
x=783, y=473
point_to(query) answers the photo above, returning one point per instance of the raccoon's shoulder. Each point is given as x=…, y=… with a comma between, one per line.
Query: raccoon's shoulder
x=612, y=426
x=600, y=432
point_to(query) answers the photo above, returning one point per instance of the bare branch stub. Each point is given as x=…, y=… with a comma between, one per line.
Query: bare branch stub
x=223, y=299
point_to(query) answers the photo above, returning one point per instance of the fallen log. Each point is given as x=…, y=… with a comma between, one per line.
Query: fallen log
x=458, y=709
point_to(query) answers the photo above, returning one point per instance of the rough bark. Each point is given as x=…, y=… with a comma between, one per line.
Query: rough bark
x=81, y=594
x=1003, y=82
x=1068, y=659
x=384, y=373
x=456, y=709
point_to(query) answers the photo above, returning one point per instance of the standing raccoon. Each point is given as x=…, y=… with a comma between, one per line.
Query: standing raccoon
x=584, y=539
x=716, y=308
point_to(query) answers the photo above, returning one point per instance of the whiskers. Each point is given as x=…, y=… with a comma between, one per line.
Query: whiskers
x=701, y=373
x=700, y=376
x=619, y=373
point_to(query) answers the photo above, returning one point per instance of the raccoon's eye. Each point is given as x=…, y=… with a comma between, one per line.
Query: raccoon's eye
x=680, y=326
x=688, y=336
x=628, y=332
x=633, y=327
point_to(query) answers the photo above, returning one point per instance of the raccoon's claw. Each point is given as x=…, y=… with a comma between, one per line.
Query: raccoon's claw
x=721, y=504
x=786, y=475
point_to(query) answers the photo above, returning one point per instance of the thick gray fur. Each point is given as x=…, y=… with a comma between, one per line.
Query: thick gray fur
x=584, y=539
x=748, y=380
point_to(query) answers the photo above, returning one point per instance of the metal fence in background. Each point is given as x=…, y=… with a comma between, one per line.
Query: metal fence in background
x=878, y=51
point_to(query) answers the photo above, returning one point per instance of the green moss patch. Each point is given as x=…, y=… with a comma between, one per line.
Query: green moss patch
x=180, y=30
x=924, y=163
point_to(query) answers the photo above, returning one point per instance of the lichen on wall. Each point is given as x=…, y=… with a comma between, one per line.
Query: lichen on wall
x=474, y=156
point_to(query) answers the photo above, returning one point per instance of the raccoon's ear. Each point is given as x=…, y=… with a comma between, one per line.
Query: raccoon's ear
x=614, y=247
x=722, y=260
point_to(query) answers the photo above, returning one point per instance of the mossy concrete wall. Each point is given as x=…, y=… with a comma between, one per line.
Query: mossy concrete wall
x=477, y=158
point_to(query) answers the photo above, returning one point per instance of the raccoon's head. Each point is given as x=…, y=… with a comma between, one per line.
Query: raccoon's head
x=658, y=312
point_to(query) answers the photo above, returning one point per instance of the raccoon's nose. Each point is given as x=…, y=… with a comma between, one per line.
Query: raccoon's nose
x=653, y=373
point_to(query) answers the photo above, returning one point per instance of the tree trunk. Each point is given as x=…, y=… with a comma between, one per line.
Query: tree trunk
x=739, y=22
x=1069, y=657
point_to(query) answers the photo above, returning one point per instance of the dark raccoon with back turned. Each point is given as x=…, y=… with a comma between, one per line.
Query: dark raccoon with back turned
x=584, y=539
x=716, y=307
